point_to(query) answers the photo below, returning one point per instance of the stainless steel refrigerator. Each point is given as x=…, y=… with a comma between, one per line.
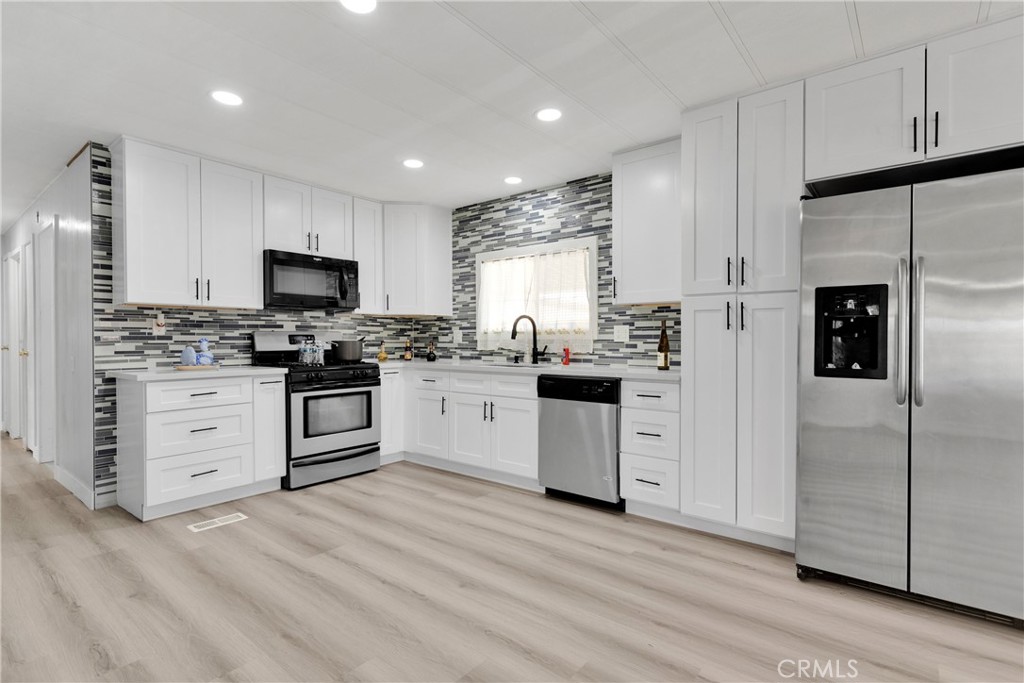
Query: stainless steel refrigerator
x=910, y=469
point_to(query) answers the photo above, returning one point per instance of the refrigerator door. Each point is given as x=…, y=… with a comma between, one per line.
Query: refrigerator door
x=852, y=457
x=967, y=448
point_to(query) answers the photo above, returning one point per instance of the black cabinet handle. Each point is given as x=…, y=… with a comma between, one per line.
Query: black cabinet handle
x=309, y=246
x=935, y=144
x=648, y=396
x=649, y=434
x=615, y=287
x=387, y=302
x=492, y=412
x=644, y=481
x=442, y=405
x=204, y=393
x=197, y=289
x=743, y=270
x=728, y=270
x=199, y=474
x=207, y=290
x=743, y=315
x=485, y=411
x=278, y=381
x=915, y=133
x=318, y=243
x=427, y=379
x=728, y=315
x=204, y=429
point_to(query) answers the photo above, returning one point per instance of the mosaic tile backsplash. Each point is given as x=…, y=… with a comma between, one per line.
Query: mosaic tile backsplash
x=123, y=339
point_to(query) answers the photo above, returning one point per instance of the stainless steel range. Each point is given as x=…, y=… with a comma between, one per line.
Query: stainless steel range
x=333, y=410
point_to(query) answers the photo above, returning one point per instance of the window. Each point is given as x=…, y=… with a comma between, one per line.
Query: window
x=555, y=284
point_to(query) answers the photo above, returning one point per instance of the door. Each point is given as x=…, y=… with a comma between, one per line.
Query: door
x=45, y=356
x=428, y=429
x=766, y=382
x=967, y=467
x=514, y=435
x=770, y=182
x=368, y=225
x=707, y=464
x=975, y=89
x=852, y=462
x=332, y=224
x=287, y=214
x=270, y=445
x=866, y=116
x=392, y=415
x=28, y=327
x=469, y=433
x=12, y=328
x=708, y=189
x=327, y=417
x=232, y=209
x=402, y=226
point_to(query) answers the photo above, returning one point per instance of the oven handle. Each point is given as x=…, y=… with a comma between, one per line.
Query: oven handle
x=345, y=456
x=334, y=388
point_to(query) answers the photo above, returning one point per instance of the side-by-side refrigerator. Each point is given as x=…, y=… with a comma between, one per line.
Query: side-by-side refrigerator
x=910, y=466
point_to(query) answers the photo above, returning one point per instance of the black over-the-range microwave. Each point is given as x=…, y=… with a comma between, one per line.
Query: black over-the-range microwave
x=308, y=282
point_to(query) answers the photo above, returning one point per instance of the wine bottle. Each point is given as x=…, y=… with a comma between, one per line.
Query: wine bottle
x=663, y=348
x=408, y=350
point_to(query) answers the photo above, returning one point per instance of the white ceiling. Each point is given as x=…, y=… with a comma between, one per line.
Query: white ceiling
x=340, y=100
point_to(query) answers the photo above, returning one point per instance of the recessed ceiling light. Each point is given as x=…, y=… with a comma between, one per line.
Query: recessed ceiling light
x=549, y=114
x=359, y=6
x=412, y=163
x=225, y=97
x=513, y=180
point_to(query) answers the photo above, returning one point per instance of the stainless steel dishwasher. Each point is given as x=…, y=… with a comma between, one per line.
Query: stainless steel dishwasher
x=579, y=436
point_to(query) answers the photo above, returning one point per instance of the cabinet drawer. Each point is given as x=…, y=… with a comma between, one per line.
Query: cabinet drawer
x=424, y=379
x=649, y=480
x=470, y=383
x=650, y=432
x=650, y=395
x=514, y=387
x=174, y=395
x=193, y=474
x=198, y=429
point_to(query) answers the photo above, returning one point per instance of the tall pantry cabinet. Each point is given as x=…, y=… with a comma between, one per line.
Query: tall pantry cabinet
x=742, y=178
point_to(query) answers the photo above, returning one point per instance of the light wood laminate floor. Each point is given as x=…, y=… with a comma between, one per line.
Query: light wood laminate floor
x=411, y=574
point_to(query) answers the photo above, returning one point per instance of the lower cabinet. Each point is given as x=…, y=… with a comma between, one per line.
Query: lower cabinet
x=392, y=409
x=269, y=436
x=649, y=480
x=649, y=443
x=427, y=431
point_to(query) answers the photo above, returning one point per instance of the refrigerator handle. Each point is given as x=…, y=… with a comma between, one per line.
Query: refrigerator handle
x=918, y=332
x=902, y=329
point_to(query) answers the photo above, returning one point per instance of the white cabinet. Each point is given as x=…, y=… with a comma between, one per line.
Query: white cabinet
x=708, y=191
x=879, y=113
x=368, y=228
x=269, y=437
x=392, y=408
x=742, y=178
x=427, y=430
x=332, y=224
x=417, y=260
x=649, y=480
x=976, y=90
x=231, y=273
x=649, y=443
x=186, y=232
x=469, y=436
x=515, y=436
x=305, y=219
x=645, y=224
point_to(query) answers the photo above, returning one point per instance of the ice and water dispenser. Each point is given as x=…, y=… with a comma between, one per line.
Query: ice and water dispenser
x=850, y=326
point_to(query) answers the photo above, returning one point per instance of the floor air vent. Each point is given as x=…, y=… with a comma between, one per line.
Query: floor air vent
x=220, y=521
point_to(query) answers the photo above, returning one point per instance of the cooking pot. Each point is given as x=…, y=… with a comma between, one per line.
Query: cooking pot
x=347, y=350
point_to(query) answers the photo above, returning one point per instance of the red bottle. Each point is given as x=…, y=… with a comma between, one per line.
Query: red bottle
x=565, y=355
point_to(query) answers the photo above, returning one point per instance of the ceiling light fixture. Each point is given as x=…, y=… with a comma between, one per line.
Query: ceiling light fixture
x=412, y=163
x=549, y=114
x=513, y=180
x=359, y=6
x=225, y=97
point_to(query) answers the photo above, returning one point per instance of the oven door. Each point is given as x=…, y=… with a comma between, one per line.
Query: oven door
x=327, y=418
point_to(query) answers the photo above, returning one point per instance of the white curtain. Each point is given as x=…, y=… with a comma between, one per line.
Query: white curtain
x=553, y=288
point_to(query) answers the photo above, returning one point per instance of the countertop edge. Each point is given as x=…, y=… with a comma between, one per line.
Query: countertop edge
x=171, y=375
x=673, y=376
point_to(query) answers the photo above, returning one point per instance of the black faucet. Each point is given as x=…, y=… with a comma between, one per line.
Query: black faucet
x=535, y=354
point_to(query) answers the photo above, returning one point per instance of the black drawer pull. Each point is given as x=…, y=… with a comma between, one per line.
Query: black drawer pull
x=648, y=396
x=205, y=393
x=644, y=481
x=274, y=382
x=649, y=434
x=425, y=379
x=204, y=429
x=199, y=474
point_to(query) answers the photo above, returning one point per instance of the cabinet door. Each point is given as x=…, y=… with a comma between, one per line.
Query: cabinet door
x=368, y=226
x=162, y=226
x=269, y=443
x=287, y=215
x=770, y=182
x=232, y=201
x=515, y=435
x=975, y=89
x=436, y=270
x=428, y=426
x=645, y=224
x=865, y=116
x=402, y=258
x=392, y=417
x=332, y=224
x=707, y=184
x=707, y=464
x=766, y=424
x=469, y=430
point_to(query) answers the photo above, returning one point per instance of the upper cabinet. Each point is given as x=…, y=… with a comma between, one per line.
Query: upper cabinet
x=368, y=228
x=875, y=114
x=417, y=260
x=186, y=232
x=645, y=224
x=304, y=219
x=742, y=177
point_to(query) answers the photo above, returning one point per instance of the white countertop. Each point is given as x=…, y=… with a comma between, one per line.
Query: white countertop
x=170, y=374
x=574, y=369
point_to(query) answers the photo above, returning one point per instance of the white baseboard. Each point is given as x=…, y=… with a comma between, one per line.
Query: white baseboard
x=207, y=499
x=80, y=490
x=106, y=500
x=388, y=458
x=707, y=526
x=477, y=472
